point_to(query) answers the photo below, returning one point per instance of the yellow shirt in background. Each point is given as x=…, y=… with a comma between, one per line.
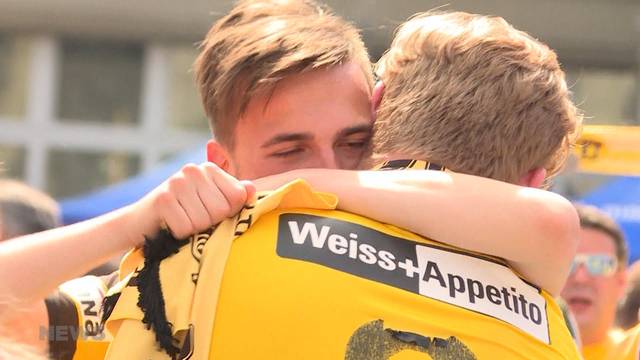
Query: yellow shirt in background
x=619, y=345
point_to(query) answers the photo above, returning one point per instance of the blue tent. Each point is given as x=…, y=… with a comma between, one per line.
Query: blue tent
x=620, y=198
x=116, y=196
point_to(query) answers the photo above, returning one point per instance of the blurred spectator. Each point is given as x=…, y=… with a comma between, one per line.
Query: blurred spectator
x=596, y=283
x=627, y=314
x=25, y=210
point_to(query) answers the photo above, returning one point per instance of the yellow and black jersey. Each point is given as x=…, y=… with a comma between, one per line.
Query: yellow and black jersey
x=331, y=285
x=75, y=330
x=293, y=278
x=618, y=345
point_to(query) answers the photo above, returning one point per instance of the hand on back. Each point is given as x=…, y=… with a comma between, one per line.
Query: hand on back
x=190, y=201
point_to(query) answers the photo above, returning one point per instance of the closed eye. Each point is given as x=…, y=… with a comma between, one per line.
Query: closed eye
x=288, y=153
x=356, y=144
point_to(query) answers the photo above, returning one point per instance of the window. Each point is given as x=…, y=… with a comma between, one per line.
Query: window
x=607, y=96
x=100, y=81
x=12, y=161
x=14, y=62
x=183, y=104
x=76, y=172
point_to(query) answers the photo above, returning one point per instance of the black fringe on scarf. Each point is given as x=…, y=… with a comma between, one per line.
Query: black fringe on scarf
x=151, y=299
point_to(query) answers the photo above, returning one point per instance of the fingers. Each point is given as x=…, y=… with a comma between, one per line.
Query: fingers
x=173, y=215
x=231, y=188
x=209, y=194
x=250, y=188
x=184, y=187
x=200, y=196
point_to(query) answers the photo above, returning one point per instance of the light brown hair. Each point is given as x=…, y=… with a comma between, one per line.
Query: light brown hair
x=475, y=95
x=593, y=218
x=261, y=42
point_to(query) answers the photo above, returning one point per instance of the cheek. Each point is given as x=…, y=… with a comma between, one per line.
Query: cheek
x=607, y=292
x=351, y=159
x=349, y=162
x=257, y=166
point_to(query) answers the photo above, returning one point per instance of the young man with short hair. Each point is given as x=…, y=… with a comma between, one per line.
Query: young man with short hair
x=596, y=284
x=318, y=115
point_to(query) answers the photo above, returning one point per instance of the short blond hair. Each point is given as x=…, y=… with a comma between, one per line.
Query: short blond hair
x=475, y=95
x=262, y=42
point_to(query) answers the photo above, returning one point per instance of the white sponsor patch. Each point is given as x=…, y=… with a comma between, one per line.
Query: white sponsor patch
x=482, y=286
x=472, y=282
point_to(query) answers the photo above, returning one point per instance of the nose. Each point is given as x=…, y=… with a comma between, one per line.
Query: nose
x=326, y=159
x=581, y=274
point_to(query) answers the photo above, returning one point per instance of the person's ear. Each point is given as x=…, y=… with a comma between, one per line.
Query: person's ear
x=533, y=178
x=376, y=97
x=217, y=154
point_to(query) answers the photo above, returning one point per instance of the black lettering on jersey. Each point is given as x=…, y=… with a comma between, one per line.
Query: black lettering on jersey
x=88, y=308
x=386, y=259
x=92, y=328
x=433, y=272
x=372, y=341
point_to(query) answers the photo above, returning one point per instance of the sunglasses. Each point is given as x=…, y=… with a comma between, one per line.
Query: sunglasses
x=595, y=264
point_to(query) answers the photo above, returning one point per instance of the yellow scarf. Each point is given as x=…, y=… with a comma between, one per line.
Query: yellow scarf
x=197, y=266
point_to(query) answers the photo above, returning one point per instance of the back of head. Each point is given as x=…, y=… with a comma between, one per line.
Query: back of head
x=475, y=95
x=259, y=43
x=25, y=210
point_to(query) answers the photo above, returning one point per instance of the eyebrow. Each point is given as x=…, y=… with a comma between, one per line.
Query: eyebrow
x=365, y=128
x=286, y=138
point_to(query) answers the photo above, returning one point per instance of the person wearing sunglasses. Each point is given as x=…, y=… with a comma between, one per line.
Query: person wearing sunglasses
x=596, y=283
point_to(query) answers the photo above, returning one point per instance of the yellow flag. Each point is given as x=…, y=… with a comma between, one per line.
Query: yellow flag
x=608, y=149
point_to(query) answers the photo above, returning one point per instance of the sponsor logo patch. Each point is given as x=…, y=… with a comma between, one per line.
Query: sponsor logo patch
x=472, y=282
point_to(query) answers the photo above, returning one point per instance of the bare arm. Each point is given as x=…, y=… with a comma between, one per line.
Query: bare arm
x=533, y=229
x=32, y=266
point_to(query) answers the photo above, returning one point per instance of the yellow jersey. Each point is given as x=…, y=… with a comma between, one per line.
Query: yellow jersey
x=317, y=283
x=618, y=345
x=307, y=284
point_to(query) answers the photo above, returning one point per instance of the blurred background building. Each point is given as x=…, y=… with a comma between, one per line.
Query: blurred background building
x=93, y=92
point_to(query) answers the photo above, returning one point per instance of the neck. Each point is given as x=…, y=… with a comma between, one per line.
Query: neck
x=401, y=157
